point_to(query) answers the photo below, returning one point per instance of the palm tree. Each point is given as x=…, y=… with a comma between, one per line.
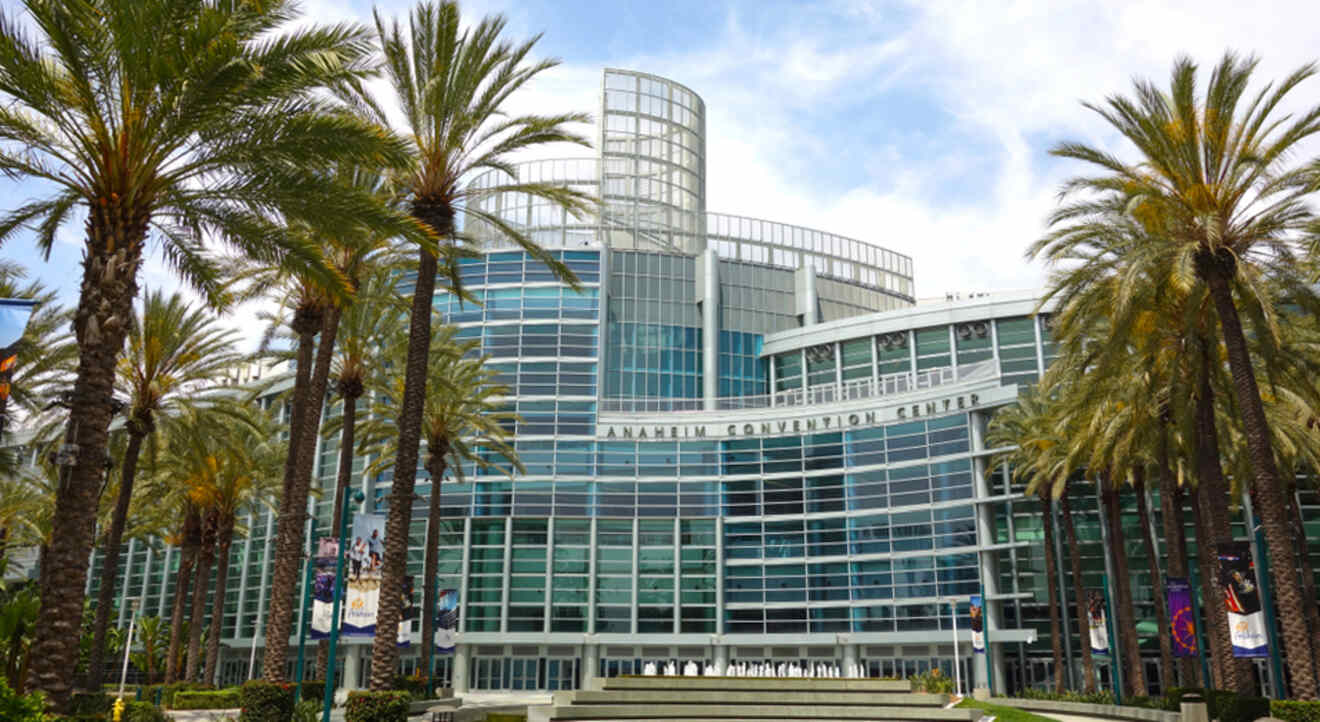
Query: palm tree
x=368, y=325
x=189, y=541
x=462, y=423
x=235, y=470
x=174, y=349
x=153, y=635
x=352, y=251
x=1216, y=186
x=452, y=84
x=208, y=128
x=1025, y=430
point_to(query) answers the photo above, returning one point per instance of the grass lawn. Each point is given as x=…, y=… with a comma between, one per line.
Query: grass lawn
x=1004, y=714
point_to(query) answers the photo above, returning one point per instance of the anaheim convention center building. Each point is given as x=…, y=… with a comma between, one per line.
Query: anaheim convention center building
x=744, y=441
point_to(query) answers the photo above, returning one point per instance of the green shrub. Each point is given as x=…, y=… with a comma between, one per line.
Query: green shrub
x=307, y=711
x=265, y=702
x=313, y=689
x=377, y=707
x=219, y=699
x=163, y=694
x=143, y=712
x=415, y=686
x=1295, y=711
x=932, y=682
x=1069, y=696
x=30, y=707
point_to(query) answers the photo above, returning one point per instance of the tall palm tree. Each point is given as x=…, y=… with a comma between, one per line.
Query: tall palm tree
x=174, y=349
x=1227, y=206
x=353, y=251
x=452, y=83
x=208, y=128
x=462, y=423
x=1026, y=431
x=369, y=325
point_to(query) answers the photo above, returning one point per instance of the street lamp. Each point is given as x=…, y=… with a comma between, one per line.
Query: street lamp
x=133, y=605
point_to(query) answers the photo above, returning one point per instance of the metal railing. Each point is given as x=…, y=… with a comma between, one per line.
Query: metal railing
x=856, y=390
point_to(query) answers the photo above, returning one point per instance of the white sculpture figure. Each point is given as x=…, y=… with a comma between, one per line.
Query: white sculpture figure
x=648, y=670
x=690, y=669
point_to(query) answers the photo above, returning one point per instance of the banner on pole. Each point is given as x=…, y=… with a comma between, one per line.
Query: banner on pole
x=14, y=315
x=1246, y=618
x=1096, y=622
x=446, y=621
x=366, y=551
x=976, y=611
x=1182, y=622
x=323, y=588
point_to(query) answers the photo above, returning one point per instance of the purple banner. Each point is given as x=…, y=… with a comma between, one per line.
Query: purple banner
x=1182, y=621
x=977, y=613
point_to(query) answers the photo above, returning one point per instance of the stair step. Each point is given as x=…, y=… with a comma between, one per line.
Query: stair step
x=766, y=696
x=755, y=712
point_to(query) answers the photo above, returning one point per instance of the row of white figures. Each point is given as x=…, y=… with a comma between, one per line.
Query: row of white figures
x=758, y=669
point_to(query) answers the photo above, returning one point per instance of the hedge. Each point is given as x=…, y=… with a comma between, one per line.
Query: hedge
x=1295, y=710
x=219, y=699
x=143, y=712
x=377, y=707
x=265, y=702
x=167, y=691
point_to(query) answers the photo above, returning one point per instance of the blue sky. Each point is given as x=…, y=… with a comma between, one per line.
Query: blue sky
x=919, y=126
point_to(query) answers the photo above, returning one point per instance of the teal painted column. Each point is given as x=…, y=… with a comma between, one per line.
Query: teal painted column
x=340, y=587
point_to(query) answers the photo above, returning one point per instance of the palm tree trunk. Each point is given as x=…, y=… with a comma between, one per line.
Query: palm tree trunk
x=113, y=254
x=1269, y=507
x=1156, y=581
x=1214, y=528
x=1075, y=567
x=110, y=551
x=200, y=588
x=1308, y=579
x=1215, y=616
x=293, y=508
x=384, y=650
x=436, y=466
x=225, y=538
x=1051, y=567
x=1175, y=542
x=349, y=390
x=1135, y=683
x=182, y=585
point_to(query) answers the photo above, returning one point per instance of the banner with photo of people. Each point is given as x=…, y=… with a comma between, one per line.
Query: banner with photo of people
x=446, y=621
x=1182, y=620
x=1097, y=622
x=363, y=559
x=1246, y=617
x=976, y=611
x=323, y=588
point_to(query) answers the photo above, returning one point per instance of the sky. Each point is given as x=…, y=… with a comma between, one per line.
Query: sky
x=923, y=127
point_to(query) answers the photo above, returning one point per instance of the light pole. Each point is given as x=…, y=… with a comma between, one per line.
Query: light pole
x=128, y=644
x=340, y=587
x=306, y=603
x=957, y=656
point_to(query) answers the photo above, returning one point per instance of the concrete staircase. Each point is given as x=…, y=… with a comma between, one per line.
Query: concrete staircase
x=759, y=699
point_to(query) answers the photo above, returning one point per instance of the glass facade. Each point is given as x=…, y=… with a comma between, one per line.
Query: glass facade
x=711, y=474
